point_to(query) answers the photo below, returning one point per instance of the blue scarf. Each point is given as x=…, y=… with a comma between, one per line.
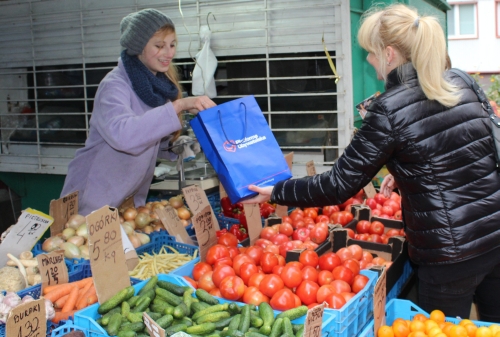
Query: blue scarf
x=152, y=90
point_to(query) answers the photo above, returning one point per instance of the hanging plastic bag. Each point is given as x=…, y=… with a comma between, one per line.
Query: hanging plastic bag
x=204, y=70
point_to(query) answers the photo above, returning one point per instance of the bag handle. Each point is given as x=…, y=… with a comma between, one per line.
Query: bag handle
x=480, y=95
x=222, y=126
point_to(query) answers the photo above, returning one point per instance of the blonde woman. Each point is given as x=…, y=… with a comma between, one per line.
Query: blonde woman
x=430, y=131
x=135, y=116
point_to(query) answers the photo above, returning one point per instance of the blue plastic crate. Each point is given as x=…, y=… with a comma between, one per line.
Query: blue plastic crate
x=86, y=319
x=405, y=309
x=398, y=287
x=66, y=328
x=50, y=328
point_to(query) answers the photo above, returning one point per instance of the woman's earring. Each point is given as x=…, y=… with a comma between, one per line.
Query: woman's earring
x=389, y=63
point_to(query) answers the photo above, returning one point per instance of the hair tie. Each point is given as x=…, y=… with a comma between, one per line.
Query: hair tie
x=415, y=23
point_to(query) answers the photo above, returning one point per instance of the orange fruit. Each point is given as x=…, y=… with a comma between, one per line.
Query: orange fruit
x=429, y=325
x=471, y=329
x=458, y=331
x=495, y=328
x=441, y=334
x=437, y=316
x=420, y=317
x=497, y=334
x=417, y=326
x=434, y=331
x=385, y=331
x=447, y=329
x=483, y=332
x=417, y=334
x=400, y=328
x=400, y=321
x=465, y=321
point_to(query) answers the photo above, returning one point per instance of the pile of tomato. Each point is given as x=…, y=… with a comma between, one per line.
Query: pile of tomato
x=260, y=274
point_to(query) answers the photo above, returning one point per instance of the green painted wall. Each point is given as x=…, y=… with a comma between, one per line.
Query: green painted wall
x=37, y=190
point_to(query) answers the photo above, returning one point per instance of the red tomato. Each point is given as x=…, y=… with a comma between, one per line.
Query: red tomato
x=283, y=299
x=255, y=279
x=396, y=197
x=329, y=261
x=285, y=247
x=227, y=261
x=335, y=301
x=322, y=218
x=375, y=238
x=348, y=202
x=378, y=261
x=308, y=221
x=392, y=232
x=215, y=253
x=353, y=265
x=263, y=243
x=343, y=273
x=323, y=292
x=215, y=292
x=363, y=227
x=348, y=296
x=270, y=284
x=232, y=288
x=340, y=286
x=342, y=217
x=281, y=260
x=325, y=277
x=356, y=251
x=344, y=254
x=299, y=223
x=239, y=260
x=267, y=262
x=255, y=252
x=377, y=212
x=309, y=273
x=380, y=198
x=295, y=216
x=277, y=270
x=370, y=202
x=359, y=283
x=392, y=204
x=205, y=282
x=220, y=272
x=296, y=264
x=252, y=295
x=286, y=229
x=191, y=282
x=267, y=233
x=247, y=269
x=233, y=251
x=398, y=215
x=309, y=258
x=278, y=239
x=307, y=292
x=318, y=234
x=387, y=210
x=350, y=232
x=287, y=219
x=272, y=248
x=228, y=239
x=328, y=210
x=311, y=213
x=367, y=256
x=376, y=227
x=199, y=269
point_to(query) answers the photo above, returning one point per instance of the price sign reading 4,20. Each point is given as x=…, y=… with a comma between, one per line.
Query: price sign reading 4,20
x=27, y=320
x=107, y=259
x=205, y=230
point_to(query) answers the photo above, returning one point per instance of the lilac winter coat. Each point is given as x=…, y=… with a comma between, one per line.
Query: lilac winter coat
x=125, y=138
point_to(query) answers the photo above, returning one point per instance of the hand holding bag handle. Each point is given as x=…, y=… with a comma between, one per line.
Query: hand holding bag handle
x=495, y=120
x=222, y=126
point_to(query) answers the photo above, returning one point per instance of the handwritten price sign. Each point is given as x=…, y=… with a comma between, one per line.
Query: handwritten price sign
x=153, y=328
x=205, y=230
x=197, y=200
x=61, y=210
x=107, y=258
x=170, y=220
x=314, y=319
x=27, y=320
x=52, y=268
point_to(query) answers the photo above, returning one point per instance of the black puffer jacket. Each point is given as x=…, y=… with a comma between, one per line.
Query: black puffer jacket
x=442, y=161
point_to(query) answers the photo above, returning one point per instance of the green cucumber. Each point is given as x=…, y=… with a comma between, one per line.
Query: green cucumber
x=297, y=327
x=300, y=332
x=254, y=334
x=168, y=296
x=150, y=285
x=125, y=308
x=287, y=327
x=105, y=318
x=175, y=328
x=126, y=333
x=256, y=322
x=116, y=300
x=235, y=323
x=267, y=315
x=234, y=308
x=213, y=317
x=188, y=298
x=211, y=309
x=198, y=306
x=201, y=329
x=204, y=296
x=173, y=288
x=133, y=300
x=142, y=304
x=134, y=317
x=294, y=313
x=223, y=323
x=245, y=319
x=181, y=310
x=165, y=321
x=277, y=328
x=136, y=327
x=114, y=324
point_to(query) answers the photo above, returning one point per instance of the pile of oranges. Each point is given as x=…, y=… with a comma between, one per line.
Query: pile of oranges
x=436, y=326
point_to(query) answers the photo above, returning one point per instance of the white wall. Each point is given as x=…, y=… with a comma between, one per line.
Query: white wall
x=482, y=54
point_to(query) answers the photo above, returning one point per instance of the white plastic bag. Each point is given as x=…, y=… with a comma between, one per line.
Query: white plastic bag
x=204, y=70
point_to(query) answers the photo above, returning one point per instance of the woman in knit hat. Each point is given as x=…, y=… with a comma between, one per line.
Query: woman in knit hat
x=135, y=117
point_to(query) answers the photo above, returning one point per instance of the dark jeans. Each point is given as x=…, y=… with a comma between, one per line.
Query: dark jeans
x=455, y=298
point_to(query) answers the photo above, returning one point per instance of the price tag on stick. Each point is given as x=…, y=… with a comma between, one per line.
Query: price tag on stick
x=205, y=230
x=172, y=223
x=52, y=268
x=314, y=319
x=29, y=228
x=370, y=190
x=107, y=259
x=254, y=222
x=153, y=328
x=61, y=210
x=27, y=320
x=310, y=168
x=379, y=297
x=197, y=200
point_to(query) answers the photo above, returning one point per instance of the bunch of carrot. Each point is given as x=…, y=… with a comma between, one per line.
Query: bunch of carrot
x=70, y=297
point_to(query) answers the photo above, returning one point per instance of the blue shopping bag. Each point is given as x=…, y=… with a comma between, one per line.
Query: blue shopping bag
x=239, y=144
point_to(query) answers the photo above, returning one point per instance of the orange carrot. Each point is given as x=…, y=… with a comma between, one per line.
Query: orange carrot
x=71, y=301
x=63, y=316
x=80, y=284
x=92, y=299
x=60, y=291
x=60, y=302
x=82, y=292
x=83, y=301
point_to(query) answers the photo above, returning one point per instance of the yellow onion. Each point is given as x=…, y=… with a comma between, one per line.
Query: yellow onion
x=143, y=209
x=158, y=227
x=84, y=251
x=183, y=213
x=134, y=239
x=75, y=221
x=83, y=231
x=130, y=223
x=67, y=233
x=143, y=237
x=71, y=251
x=164, y=202
x=185, y=223
x=142, y=220
x=148, y=229
x=129, y=214
x=76, y=240
x=127, y=228
x=176, y=202
x=52, y=243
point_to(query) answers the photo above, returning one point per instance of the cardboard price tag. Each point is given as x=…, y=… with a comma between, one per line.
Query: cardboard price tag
x=52, y=268
x=131, y=258
x=154, y=329
x=61, y=210
x=370, y=190
x=27, y=320
x=314, y=319
x=127, y=203
x=379, y=297
x=310, y=168
x=197, y=200
x=107, y=259
x=205, y=230
x=254, y=222
x=170, y=220
x=24, y=234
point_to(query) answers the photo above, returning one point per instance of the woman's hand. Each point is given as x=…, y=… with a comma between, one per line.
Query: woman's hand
x=388, y=185
x=264, y=194
x=193, y=104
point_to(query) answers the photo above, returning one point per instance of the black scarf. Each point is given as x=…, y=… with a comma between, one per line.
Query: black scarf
x=152, y=90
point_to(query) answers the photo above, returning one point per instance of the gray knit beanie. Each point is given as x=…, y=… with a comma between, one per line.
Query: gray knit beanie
x=137, y=28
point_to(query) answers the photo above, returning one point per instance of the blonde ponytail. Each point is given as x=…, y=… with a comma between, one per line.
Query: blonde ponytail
x=419, y=40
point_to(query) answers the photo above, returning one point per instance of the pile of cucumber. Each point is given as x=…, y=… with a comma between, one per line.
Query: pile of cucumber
x=174, y=308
